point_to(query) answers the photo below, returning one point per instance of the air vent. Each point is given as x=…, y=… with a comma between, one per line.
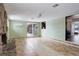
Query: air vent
x=32, y=18
x=55, y=5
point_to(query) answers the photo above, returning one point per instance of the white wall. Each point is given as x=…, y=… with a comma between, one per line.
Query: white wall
x=55, y=29
x=17, y=29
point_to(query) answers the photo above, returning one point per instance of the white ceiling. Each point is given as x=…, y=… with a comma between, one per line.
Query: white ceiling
x=30, y=11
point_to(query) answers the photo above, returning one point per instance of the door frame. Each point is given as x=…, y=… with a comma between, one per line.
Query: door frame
x=33, y=23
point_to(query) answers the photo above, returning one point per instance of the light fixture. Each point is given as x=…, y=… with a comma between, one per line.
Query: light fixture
x=39, y=15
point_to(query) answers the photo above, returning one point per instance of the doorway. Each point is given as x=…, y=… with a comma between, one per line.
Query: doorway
x=33, y=29
x=72, y=28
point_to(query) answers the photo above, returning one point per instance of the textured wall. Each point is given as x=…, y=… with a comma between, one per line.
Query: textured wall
x=3, y=23
x=3, y=19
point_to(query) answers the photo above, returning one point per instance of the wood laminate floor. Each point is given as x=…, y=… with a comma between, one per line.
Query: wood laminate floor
x=44, y=47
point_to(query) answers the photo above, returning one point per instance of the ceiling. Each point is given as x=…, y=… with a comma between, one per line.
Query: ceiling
x=39, y=11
